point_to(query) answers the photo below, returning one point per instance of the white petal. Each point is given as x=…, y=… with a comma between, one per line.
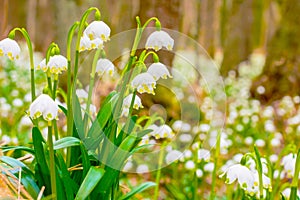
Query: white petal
x=158, y=40
x=43, y=105
x=98, y=29
x=105, y=66
x=158, y=70
x=10, y=48
x=57, y=64
x=144, y=82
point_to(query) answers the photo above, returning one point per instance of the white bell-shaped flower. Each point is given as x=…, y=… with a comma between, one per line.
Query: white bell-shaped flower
x=288, y=162
x=98, y=29
x=57, y=64
x=105, y=66
x=173, y=156
x=163, y=131
x=158, y=40
x=203, y=154
x=85, y=43
x=42, y=66
x=241, y=173
x=43, y=105
x=144, y=82
x=137, y=102
x=159, y=70
x=97, y=43
x=10, y=48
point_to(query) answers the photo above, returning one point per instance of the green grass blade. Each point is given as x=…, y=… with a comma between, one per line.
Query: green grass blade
x=137, y=189
x=66, y=142
x=92, y=178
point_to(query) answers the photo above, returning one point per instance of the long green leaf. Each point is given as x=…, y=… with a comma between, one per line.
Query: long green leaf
x=66, y=142
x=89, y=183
x=42, y=169
x=27, y=176
x=137, y=189
x=8, y=148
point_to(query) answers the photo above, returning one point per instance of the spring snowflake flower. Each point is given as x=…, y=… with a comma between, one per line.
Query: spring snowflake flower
x=43, y=105
x=287, y=192
x=288, y=162
x=144, y=82
x=158, y=70
x=203, y=154
x=42, y=66
x=105, y=66
x=57, y=64
x=127, y=101
x=163, y=131
x=137, y=102
x=241, y=173
x=10, y=48
x=158, y=40
x=173, y=156
x=85, y=43
x=98, y=29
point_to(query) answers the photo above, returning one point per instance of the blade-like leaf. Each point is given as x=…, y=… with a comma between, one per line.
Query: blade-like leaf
x=137, y=189
x=89, y=183
x=66, y=142
x=8, y=148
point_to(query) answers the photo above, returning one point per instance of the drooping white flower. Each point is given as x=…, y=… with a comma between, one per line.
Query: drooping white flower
x=42, y=66
x=241, y=173
x=97, y=44
x=209, y=167
x=82, y=94
x=189, y=165
x=158, y=70
x=98, y=29
x=137, y=102
x=203, y=154
x=287, y=192
x=163, y=131
x=10, y=48
x=158, y=40
x=57, y=64
x=43, y=105
x=105, y=66
x=173, y=156
x=144, y=82
x=179, y=125
x=288, y=162
x=85, y=43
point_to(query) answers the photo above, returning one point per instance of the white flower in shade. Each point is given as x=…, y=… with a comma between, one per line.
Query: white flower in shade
x=105, y=66
x=199, y=173
x=152, y=127
x=209, y=167
x=173, y=156
x=179, y=125
x=287, y=192
x=241, y=173
x=98, y=29
x=10, y=48
x=81, y=93
x=42, y=66
x=189, y=165
x=266, y=181
x=97, y=43
x=137, y=102
x=288, y=162
x=144, y=82
x=143, y=168
x=43, y=105
x=203, y=154
x=85, y=43
x=158, y=70
x=163, y=131
x=57, y=64
x=158, y=40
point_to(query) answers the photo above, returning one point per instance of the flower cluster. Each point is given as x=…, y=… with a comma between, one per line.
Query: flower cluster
x=56, y=65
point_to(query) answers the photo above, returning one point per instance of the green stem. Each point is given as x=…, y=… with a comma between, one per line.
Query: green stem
x=30, y=50
x=158, y=174
x=294, y=185
x=155, y=56
x=53, y=97
x=259, y=170
x=214, y=175
x=52, y=161
x=91, y=86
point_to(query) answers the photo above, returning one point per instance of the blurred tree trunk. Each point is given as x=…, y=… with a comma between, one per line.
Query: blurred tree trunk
x=237, y=39
x=168, y=12
x=3, y=18
x=281, y=74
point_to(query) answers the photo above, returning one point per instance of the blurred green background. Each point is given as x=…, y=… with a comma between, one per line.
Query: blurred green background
x=233, y=29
